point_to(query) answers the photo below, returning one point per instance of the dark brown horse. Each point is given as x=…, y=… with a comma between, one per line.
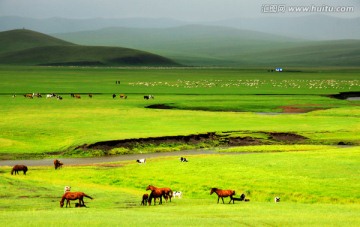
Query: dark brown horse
x=145, y=198
x=73, y=196
x=18, y=168
x=223, y=193
x=168, y=193
x=58, y=164
x=156, y=193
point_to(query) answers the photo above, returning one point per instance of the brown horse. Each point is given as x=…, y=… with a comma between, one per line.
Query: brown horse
x=58, y=164
x=156, y=193
x=18, y=168
x=73, y=196
x=223, y=193
x=145, y=198
x=168, y=193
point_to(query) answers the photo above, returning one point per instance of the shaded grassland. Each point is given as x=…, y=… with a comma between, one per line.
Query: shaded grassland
x=243, y=101
x=317, y=187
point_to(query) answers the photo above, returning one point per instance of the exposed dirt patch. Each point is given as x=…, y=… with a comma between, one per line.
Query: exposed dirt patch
x=301, y=108
x=286, y=137
x=210, y=139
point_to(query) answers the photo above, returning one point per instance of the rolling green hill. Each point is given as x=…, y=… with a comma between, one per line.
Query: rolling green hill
x=223, y=46
x=25, y=47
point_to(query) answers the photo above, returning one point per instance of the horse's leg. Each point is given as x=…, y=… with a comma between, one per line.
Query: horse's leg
x=223, y=200
x=218, y=199
x=160, y=200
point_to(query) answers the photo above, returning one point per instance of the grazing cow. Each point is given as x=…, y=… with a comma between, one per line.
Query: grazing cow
x=77, y=96
x=90, y=95
x=38, y=95
x=53, y=95
x=143, y=160
x=148, y=97
x=18, y=168
x=59, y=97
x=28, y=96
x=242, y=198
x=277, y=199
x=122, y=96
x=182, y=159
x=145, y=198
x=114, y=96
x=13, y=95
x=177, y=194
x=58, y=164
x=67, y=189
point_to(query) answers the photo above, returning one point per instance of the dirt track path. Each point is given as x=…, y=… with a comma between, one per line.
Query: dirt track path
x=85, y=161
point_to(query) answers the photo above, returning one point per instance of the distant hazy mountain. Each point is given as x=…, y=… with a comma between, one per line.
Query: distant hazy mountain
x=312, y=27
x=25, y=47
x=224, y=46
x=64, y=25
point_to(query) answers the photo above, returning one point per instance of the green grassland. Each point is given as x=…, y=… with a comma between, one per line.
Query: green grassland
x=317, y=180
x=225, y=96
x=316, y=186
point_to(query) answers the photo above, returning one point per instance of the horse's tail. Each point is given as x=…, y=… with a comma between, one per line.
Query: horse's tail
x=88, y=196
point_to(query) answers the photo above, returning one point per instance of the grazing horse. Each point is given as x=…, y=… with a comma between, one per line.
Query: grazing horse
x=157, y=193
x=28, y=96
x=58, y=164
x=144, y=200
x=223, y=193
x=168, y=193
x=73, y=196
x=18, y=168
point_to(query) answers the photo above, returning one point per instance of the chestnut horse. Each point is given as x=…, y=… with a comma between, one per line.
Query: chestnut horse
x=18, y=168
x=73, y=196
x=156, y=193
x=223, y=193
x=168, y=193
x=57, y=164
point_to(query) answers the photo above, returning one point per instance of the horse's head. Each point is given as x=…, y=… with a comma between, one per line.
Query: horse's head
x=61, y=204
x=150, y=187
x=213, y=190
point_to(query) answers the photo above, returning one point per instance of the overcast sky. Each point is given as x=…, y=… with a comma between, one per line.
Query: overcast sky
x=188, y=10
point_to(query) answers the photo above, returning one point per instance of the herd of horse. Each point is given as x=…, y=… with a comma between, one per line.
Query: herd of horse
x=156, y=193
x=76, y=96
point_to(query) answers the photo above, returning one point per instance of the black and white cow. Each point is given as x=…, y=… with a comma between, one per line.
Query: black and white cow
x=182, y=159
x=148, y=97
x=143, y=160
